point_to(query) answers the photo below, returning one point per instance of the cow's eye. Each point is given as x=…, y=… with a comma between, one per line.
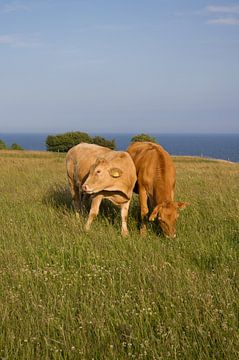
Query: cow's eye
x=98, y=171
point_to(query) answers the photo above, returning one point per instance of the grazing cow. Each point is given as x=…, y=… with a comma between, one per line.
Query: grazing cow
x=100, y=173
x=156, y=177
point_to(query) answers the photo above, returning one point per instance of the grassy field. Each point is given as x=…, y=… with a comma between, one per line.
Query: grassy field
x=67, y=294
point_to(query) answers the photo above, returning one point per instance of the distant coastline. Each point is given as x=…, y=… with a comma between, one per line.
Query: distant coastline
x=216, y=146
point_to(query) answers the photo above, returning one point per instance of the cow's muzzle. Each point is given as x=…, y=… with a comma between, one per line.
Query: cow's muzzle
x=173, y=236
x=86, y=189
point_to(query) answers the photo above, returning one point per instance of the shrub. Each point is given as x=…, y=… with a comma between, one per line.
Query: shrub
x=2, y=145
x=63, y=142
x=99, y=140
x=15, y=146
x=143, y=137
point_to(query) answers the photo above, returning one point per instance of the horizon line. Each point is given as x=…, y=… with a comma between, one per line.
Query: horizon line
x=116, y=133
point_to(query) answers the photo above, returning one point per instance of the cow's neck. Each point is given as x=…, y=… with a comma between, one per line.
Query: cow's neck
x=162, y=193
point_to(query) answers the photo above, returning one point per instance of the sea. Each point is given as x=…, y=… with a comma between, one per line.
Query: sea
x=216, y=146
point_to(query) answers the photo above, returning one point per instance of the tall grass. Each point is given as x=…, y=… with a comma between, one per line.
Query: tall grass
x=67, y=294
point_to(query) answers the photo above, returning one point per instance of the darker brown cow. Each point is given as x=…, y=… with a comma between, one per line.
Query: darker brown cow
x=156, y=177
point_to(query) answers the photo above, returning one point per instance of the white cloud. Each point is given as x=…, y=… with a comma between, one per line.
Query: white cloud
x=19, y=40
x=216, y=14
x=227, y=13
x=227, y=9
x=224, y=21
x=14, y=7
x=231, y=9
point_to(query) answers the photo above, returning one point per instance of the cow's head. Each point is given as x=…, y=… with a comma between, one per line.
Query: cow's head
x=167, y=214
x=102, y=176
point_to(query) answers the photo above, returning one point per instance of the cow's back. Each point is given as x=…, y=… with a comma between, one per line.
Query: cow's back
x=154, y=165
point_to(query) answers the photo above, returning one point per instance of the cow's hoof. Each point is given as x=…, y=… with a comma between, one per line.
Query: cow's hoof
x=125, y=233
x=87, y=228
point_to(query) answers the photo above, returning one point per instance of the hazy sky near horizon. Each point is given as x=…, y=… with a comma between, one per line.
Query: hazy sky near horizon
x=119, y=66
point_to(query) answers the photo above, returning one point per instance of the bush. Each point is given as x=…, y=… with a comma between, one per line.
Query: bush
x=63, y=142
x=99, y=140
x=3, y=146
x=15, y=146
x=143, y=137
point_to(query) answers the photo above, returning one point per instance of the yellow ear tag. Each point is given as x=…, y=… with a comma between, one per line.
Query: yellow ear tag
x=115, y=174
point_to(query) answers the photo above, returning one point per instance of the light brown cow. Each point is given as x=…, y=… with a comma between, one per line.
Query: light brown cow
x=156, y=177
x=100, y=173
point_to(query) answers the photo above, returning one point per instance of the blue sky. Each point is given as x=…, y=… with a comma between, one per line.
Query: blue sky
x=119, y=66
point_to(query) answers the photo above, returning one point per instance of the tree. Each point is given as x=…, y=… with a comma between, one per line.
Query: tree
x=15, y=146
x=63, y=142
x=3, y=146
x=143, y=137
x=99, y=140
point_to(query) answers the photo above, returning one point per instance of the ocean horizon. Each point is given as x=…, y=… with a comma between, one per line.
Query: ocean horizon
x=217, y=146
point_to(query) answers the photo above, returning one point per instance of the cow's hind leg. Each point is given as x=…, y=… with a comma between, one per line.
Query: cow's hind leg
x=94, y=210
x=75, y=194
x=74, y=188
x=143, y=209
x=124, y=216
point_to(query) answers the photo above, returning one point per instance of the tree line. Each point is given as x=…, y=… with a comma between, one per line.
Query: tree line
x=63, y=142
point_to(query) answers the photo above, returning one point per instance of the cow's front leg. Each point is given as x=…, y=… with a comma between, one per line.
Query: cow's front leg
x=124, y=217
x=143, y=209
x=94, y=210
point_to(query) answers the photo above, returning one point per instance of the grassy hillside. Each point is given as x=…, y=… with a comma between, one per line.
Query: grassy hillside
x=65, y=294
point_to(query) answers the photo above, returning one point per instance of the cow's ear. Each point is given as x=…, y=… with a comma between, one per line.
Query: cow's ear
x=155, y=212
x=99, y=161
x=182, y=205
x=115, y=172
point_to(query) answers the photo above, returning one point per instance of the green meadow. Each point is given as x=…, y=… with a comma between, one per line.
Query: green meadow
x=68, y=294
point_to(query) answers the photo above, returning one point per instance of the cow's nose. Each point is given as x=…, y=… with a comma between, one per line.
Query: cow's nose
x=173, y=236
x=85, y=187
